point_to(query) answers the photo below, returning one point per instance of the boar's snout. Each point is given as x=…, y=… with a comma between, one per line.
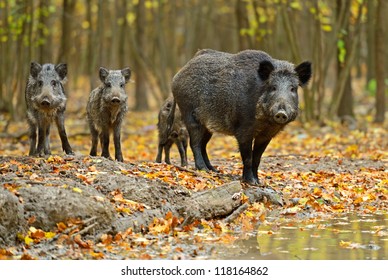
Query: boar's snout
x=283, y=113
x=45, y=102
x=115, y=100
x=281, y=117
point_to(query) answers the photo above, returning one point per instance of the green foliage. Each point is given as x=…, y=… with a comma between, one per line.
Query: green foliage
x=371, y=87
x=341, y=50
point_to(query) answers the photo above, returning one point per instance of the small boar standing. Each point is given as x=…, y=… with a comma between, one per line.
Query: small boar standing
x=106, y=109
x=46, y=102
x=171, y=132
x=249, y=95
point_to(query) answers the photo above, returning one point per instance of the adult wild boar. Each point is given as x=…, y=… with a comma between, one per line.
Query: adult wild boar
x=249, y=95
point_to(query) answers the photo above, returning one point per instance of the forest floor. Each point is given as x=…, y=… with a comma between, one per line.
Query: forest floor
x=318, y=172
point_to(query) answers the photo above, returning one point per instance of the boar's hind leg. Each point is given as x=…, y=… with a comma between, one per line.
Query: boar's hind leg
x=167, y=148
x=205, y=139
x=196, y=133
x=258, y=150
x=60, y=121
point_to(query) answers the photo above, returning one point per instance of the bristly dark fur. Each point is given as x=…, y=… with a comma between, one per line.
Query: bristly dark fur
x=249, y=95
x=171, y=130
x=46, y=102
x=106, y=108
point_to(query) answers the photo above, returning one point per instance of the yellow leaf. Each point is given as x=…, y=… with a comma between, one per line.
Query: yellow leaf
x=28, y=240
x=303, y=201
x=326, y=27
x=78, y=190
x=49, y=234
x=249, y=214
x=358, y=200
x=345, y=244
x=295, y=5
x=317, y=191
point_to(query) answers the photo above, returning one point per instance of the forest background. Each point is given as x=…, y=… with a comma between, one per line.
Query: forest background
x=345, y=39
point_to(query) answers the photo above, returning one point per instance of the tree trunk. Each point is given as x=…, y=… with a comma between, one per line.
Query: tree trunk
x=44, y=32
x=349, y=58
x=370, y=35
x=66, y=41
x=380, y=60
x=123, y=26
x=242, y=23
x=345, y=107
x=5, y=99
x=141, y=100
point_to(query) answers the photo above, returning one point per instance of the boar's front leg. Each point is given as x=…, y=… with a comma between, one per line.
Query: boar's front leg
x=258, y=150
x=42, y=130
x=117, y=142
x=32, y=128
x=167, y=148
x=182, y=152
x=245, y=145
x=47, y=150
x=94, y=133
x=160, y=152
x=60, y=121
x=104, y=140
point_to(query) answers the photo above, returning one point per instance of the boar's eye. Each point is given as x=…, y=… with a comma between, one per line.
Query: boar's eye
x=108, y=85
x=122, y=85
x=294, y=89
x=53, y=83
x=273, y=88
x=40, y=83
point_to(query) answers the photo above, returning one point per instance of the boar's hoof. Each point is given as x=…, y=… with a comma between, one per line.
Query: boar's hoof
x=251, y=181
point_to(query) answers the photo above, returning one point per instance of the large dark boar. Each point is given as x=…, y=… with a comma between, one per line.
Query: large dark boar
x=46, y=102
x=249, y=95
x=171, y=130
x=106, y=109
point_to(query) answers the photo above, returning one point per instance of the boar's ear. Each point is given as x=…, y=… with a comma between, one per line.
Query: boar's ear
x=61, y=69
x=35, y=68
x=304, y=71
x=103, y=74
x=265, y=69
x=126, y=73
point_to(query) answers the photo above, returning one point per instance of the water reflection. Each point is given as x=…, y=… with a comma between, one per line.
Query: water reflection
x=347, y=237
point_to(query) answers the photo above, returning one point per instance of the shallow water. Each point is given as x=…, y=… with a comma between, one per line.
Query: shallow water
x=348, y=237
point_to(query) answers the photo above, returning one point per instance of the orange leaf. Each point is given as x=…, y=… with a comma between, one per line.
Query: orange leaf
x=81, y=243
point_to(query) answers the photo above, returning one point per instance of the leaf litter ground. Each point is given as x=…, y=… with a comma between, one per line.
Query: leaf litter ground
x=321, y=172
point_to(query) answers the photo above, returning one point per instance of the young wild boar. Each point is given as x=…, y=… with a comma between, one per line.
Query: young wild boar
x=106, y=109
x=170, y=134
x=46, y=102
x=249, y=95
